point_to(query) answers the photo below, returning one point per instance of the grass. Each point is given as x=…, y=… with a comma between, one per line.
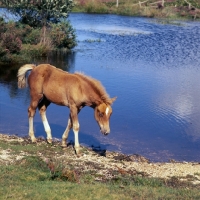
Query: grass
x=33, y=178
x=30, y=179
x=132, y=8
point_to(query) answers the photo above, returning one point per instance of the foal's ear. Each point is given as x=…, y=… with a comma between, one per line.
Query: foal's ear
x=113, y=99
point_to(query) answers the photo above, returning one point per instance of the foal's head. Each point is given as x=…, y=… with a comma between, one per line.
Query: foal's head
x=102, y=115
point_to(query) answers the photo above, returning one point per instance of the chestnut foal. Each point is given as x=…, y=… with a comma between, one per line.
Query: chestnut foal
x=49, y=84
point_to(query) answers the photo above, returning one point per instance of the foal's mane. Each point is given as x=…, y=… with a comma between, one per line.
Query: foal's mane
x=97, y=86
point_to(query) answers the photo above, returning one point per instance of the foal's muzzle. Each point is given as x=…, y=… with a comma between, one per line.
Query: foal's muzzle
x=105, y=131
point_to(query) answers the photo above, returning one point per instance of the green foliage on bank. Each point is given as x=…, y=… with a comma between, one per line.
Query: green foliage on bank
x=38, y=13
x=41, y=27
x=28, y=173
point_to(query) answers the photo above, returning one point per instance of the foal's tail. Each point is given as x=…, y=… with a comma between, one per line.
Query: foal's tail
x=22, y=74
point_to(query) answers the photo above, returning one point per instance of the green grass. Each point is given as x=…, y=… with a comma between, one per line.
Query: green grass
x=31, y=178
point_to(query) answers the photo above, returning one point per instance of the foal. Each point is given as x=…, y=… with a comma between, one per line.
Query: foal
x=49, y=84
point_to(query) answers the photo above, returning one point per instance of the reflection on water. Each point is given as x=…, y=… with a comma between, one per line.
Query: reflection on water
x=152, y=68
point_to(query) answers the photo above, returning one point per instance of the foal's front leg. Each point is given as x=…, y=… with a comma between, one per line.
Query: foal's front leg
x=75, y=125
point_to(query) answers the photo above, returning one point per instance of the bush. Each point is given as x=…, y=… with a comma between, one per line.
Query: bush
x=33, y=37
x=11, y=42
x=2, y=25
x=32, y=51
x=21, y=41
x=5, y=55
x=26, y=42
x=62, y=35
x=96, y=7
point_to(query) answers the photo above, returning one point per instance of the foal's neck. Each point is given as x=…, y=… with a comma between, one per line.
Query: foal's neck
x=94, y=102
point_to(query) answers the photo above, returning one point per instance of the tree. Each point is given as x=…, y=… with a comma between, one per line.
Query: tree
x=39, y=13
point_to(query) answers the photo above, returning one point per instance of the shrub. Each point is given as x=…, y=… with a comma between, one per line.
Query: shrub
x=2, y=25
x=25, y=42
x=33, y=37
x=4, y=54
x=21, y=41
x=63, y=35
x=96, y=7
x=11, y=42
x=32, y=51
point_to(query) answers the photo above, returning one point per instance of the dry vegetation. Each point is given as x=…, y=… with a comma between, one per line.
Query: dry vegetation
x=148, y=8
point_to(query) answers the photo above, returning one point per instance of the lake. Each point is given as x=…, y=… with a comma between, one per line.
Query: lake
x=153, y=68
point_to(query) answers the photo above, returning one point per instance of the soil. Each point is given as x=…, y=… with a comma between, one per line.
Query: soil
x=103, y=163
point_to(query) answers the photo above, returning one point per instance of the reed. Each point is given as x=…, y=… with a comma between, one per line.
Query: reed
x=151, y=8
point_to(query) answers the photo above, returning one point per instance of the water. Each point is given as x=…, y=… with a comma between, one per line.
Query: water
x=152, y=68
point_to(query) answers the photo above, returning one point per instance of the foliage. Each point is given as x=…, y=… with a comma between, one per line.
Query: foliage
x=172, y=9
x=34, y=39
x=11, y=42
x=34, y=51
x=194, y=3
x=62, y=35
x=38, y=13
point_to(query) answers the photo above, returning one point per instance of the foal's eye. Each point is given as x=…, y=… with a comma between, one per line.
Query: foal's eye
x=100, y=114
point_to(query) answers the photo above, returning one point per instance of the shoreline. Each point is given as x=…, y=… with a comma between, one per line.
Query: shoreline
x=105, y=164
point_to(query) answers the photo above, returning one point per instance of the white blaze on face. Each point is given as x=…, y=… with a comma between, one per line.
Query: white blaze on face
x=107, y=110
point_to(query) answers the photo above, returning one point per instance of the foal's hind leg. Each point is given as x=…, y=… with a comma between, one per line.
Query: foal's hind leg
x=66, y=133
x=42, y=109
x=31, y=113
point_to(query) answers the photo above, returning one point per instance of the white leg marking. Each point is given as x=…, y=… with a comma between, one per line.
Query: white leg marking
x=66, y=133
x=76, y=139
x=31, y=131
x=46, y=126
x=31, y=126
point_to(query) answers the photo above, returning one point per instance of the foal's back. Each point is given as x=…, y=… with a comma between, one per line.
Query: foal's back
x=55, y=84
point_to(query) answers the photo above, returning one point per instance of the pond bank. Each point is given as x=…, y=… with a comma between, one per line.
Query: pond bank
x=102, y=165
x=152, y=9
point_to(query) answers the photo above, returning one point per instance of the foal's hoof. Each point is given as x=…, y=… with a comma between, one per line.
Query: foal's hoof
x=49, y=141
x=63, y=144
x=33, y=140
x=79, y=154
x=78, y=151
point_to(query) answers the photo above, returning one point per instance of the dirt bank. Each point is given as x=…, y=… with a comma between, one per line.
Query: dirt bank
x=105, y=164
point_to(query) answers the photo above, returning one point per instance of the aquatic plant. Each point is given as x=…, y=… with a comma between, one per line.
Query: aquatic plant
x=93, y=40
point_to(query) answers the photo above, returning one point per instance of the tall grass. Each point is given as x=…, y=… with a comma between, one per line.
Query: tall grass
x=132, y=7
